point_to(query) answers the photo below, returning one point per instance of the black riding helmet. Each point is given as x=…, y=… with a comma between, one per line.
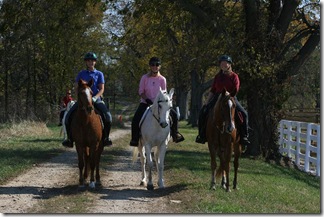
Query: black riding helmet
x=155, y=60
x=90, y=56
x=225, y=58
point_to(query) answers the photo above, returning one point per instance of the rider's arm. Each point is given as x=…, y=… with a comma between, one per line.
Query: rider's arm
x=101, y=90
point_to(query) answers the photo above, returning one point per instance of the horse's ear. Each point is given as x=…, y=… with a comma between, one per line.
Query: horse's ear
x=171, y=92
x=90, y=83
x=224, y=91
x=80, y=82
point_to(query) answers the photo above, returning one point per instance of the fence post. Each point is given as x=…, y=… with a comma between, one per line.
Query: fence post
x=318, y=151
x=298, y=131
x=308, y=143
x=289, y=138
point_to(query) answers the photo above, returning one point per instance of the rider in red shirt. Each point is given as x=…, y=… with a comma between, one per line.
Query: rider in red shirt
x=229, y=80
x=66, y=99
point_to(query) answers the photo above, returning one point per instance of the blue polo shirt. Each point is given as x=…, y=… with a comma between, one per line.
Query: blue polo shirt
x=96, y=75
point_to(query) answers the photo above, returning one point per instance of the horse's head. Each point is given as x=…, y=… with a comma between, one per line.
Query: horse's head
x=161, y=107
x=224, y=112
x=85, y=95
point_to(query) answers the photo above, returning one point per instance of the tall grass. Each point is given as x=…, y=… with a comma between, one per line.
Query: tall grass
x=24, y=144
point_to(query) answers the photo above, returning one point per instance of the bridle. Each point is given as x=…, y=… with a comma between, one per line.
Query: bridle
x=158, y=109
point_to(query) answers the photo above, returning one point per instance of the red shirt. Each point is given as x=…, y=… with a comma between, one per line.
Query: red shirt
x=230, y=82
x=66, y=100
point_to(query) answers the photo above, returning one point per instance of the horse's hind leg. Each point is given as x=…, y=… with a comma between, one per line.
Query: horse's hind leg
x=98, y=156
x=236, y=166
x=213, y=166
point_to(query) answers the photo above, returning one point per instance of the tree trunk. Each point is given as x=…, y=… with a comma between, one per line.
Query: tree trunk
x=196, y=98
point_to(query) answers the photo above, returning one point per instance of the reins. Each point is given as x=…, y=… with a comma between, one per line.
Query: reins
x=157, y=118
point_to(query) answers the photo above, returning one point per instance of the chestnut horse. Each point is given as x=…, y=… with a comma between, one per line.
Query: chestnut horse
x=86, y=128
x=223, y=139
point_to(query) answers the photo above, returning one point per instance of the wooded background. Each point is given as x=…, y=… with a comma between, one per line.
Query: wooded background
x=275, y=46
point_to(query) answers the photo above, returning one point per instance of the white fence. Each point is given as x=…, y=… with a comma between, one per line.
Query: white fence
x=301, y=142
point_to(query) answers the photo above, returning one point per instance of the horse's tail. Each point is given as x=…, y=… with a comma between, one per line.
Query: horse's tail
x=135, y=154
x=219, y=171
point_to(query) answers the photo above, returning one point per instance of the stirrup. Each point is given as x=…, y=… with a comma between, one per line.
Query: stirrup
x=133, y=143
x=200, y=140
x=107, y=142
x=67, y=143
x=178, y=138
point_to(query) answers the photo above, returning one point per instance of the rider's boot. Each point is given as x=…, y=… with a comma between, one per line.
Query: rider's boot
x=201, y=138
x=176, y=136
x=68, y=141
x=134, y=140
x=107, y=140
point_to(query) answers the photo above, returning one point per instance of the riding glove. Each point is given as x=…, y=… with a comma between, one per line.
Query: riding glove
x=149, y=102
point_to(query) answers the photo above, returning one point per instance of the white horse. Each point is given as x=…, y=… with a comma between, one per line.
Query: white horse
x=155, y=133
x=68, y=107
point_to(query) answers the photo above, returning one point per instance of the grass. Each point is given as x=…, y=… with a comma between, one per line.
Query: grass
x=263, y=188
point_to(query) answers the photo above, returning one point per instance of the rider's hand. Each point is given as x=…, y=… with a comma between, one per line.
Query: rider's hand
x=149, y=102
x=94, y=99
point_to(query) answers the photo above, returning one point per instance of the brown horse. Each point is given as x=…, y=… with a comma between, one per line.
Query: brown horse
x=223, y=139
x=86, y=130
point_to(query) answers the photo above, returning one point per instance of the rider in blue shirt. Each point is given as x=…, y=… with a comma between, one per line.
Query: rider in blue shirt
x=98, y=89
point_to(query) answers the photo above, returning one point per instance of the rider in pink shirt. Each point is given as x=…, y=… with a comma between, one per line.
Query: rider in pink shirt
x=149, y=87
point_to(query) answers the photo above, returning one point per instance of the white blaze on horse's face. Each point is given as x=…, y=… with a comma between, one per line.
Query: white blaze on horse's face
x=231, y=125
x=163, y=108
x=88, y=94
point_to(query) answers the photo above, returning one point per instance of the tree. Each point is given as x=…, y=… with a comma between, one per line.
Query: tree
x=277, y=40
x=41, y=48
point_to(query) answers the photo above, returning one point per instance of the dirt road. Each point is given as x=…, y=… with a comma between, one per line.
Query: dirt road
x=121, y=192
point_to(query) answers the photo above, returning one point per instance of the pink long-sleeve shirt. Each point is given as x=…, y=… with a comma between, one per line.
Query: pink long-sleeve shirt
x=150, y=86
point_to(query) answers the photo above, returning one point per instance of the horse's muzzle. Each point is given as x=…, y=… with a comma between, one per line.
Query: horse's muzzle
x=89, y=109
x=164, y=124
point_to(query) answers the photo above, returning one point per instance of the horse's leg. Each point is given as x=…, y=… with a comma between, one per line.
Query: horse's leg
x=98, y=157
x=227, y=168
x=86, y=163
x=92, y=162
x=143, y=162
x=236, y=164
x=213, y=164
x=150, y=166
x=160, y=163
x=80, y=164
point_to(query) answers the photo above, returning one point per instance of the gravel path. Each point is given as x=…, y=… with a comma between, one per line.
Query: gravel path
x=121, y=192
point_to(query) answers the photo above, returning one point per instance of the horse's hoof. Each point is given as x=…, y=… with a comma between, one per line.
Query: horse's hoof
x=150, y=187
x=92, y=185
x=228, y=190
x=143, y=183
x=213, y=187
